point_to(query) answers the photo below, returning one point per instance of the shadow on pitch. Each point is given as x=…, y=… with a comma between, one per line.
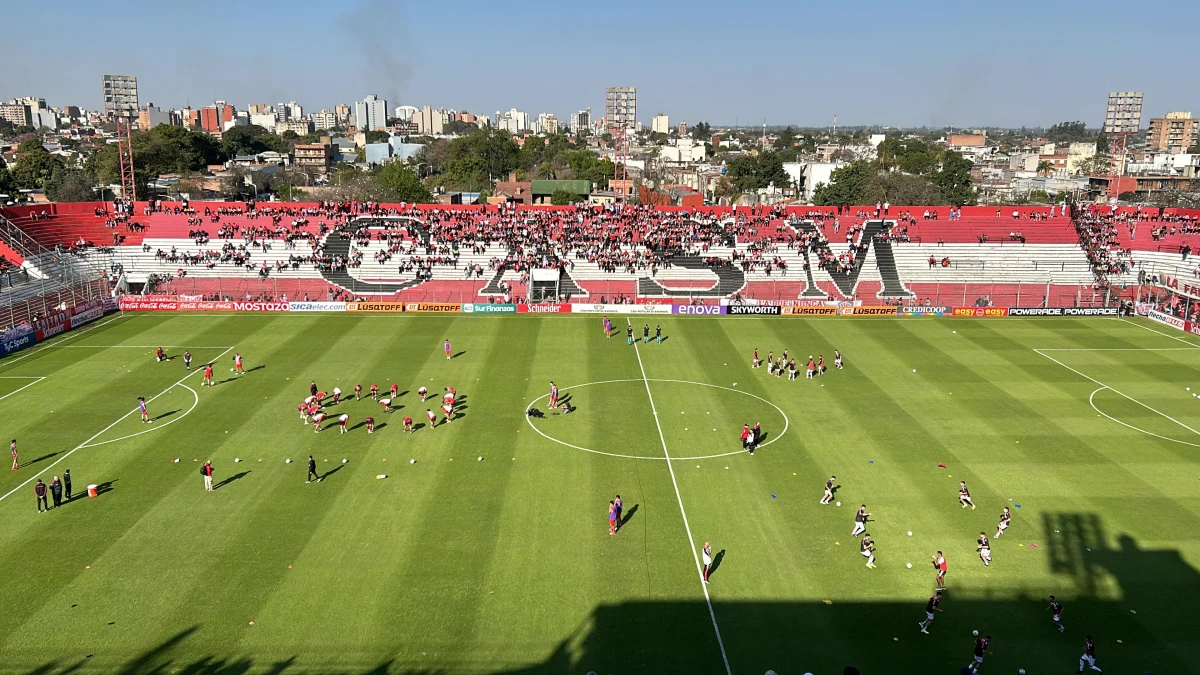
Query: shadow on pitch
x=165, y=415
x=628, y=515
x=332, y=471
x=459, y=354
x=259, y=367
x=1100, y=577
x=227, y=481
x=31, y=462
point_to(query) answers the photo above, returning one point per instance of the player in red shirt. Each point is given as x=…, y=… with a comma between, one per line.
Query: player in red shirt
x=374, y=391
x=358, y=392
x=321, y=396
x=303, y=408
x=387, y=404
x=612, y=517
x=448, y=412
x=159, y=354
x=408, y=425
x=317, y=419
x=939, y=566
x=432, y=418
x=237, y=363
x=553, y=394
x=808, y=375
x=208, y=375
x=746, y=437
x=821, y=364
x=343, y=420
x=370, y=422
x=13, y=448
x=754, y=362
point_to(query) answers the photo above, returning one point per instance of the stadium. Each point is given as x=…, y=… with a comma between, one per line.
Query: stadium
x=1047, y=357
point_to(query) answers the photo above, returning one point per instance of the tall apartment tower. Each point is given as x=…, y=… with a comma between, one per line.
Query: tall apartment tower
x=120, y=96
x=620, y=106
x=1124, y=114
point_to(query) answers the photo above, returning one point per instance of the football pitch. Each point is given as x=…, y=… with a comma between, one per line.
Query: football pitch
x=486, y=548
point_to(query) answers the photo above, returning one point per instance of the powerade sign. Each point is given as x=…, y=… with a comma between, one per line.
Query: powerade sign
x=754, y=310
x=698, y=310
x=488, y=308
x=1062, y=311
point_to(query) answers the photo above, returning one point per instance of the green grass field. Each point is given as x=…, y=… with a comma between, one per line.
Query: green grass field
x=454, y=565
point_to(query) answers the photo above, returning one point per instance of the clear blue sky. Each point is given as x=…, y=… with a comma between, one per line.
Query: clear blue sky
x=1009, y=63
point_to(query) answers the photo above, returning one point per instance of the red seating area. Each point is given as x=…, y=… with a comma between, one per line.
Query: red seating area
x=66, y=223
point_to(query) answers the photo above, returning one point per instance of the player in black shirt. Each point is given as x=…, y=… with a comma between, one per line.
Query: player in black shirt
x=867, y=548
x=985, y=549
x=658, y=332
x=930, y=608
x=981, y=649
x=629, y=334
x=828, y=490
x=860, y=521
x=1056, y=610
x=964, y=495
x=1005, y=519
x=646, y=333
x=1089, y=655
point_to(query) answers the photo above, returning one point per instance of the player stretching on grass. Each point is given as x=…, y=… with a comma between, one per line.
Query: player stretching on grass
x=1056, y=610
x=867, y=548
x=828, y=497
x=930, y=608
x=860, y=521
x=837, y=359
x=964, y=495
x=1005, y=518
x=432, y=419
x=423, y=393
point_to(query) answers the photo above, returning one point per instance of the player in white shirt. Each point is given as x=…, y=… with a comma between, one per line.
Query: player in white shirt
x=343, y=420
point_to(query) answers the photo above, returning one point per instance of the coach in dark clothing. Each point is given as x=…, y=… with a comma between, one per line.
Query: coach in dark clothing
x=40, y=490
x=56, y=491
x=67, y=483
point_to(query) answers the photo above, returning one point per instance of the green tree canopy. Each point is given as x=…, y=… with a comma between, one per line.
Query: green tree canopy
x=31, y=144
x=845, y=185
x=901, y=189
x=163, y=149
x=954, y=179
x=1068, y=132
x=70, y=185
x=377, y=136
x=748, y=173
x=398, y=182
x=701, y=131
x=562, y=197
x=33, y=169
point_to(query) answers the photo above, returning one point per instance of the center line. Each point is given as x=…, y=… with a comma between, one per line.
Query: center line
x=682, y=512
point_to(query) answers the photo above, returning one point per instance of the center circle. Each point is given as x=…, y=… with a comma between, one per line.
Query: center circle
x=662, y=411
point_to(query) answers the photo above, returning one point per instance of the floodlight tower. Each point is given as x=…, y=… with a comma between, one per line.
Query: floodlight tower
x=125, y=158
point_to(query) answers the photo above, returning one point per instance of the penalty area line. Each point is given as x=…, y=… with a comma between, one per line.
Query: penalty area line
x=100, y=433
x=691, y=541
x=35, y=381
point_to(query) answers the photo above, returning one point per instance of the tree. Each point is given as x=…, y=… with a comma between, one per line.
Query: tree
x=399, y=183
x=1097, y=164
x=749, y=174
x=701, y=131
x=1195, y=149
x=901, y=189
x=163, y=149
x=785, y=139
x=247, y=140
x=954, y=179
x=1045, y=168
x=8, y=185
x=562, y=197
x=587, y=166
x=1039, y=196
x=376, y=136
x=1068, y=132
x=33, y=169
x=70, y=185
x=845, y=185
x=31, y=144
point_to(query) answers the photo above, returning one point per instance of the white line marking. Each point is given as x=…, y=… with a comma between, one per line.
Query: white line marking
x=1118, y=349
x=786, y=421
x=1105, y=386
x=679, y=498
x=58, y=343
x=195, y=402
x=135, y=347
x=102, y=431
x=35, y=381
x=1168, y=335
x=1091, y=400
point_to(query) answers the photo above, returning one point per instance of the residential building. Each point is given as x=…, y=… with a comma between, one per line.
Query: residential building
x=960, y=141
x=1077, y=153
x=1174, y=133
x=545, y=124
x=402, y=151
x=294, y=110
x=370, y=114
x=513, y=121
x=580, y=121
x=432, y=122
x=324, y=120
x=258, y=108
x=316, y=156
x=660, y=124
x=682, y=151
x=16, y=113
x=240, y=119
x=150, y=117
x=620, y=106
x=300, y=127
x=265, y=120
x=213, y=117
x=342, y=112
x=1124, y=114
x=408, y=113
x=120, y=96
x=378, y=153
x=683, y=129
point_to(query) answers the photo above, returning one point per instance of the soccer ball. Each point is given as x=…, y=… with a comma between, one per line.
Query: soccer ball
x=908, y=565
x=975, y=633
x=1020, y=671
x=839, y=503
x=345, y=460
x=231, y=370
x=910, y=533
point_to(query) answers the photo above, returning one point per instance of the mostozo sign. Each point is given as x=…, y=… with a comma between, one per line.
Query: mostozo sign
x=751, y=310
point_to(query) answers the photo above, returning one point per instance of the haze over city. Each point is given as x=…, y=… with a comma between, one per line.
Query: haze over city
x=870, y=63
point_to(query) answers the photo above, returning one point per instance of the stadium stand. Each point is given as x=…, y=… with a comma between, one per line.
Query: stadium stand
x=1008, y=255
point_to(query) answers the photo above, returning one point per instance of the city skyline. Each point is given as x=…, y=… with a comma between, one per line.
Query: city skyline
x=987, y=72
